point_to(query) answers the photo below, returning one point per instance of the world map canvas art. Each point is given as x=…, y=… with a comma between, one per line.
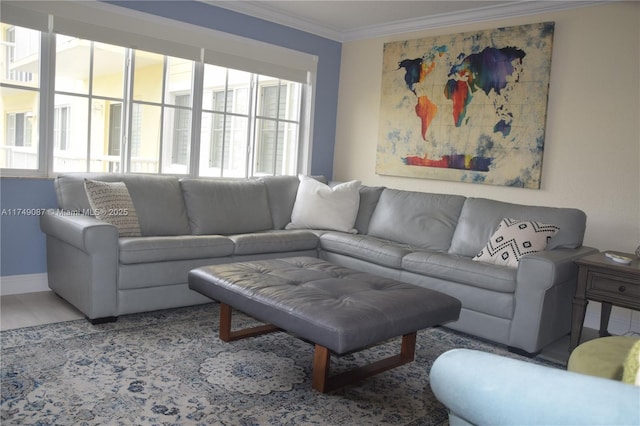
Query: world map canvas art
x=468, y=107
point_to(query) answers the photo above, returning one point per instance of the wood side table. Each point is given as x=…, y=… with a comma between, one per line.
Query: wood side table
x=605, y=281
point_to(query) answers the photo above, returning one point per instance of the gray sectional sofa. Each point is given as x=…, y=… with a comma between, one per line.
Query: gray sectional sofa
x=420, y=238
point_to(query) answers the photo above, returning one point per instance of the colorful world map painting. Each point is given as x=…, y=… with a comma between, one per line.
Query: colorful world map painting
x=468, y=107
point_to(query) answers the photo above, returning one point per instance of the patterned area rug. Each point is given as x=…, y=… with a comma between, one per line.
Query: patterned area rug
x=169, y=367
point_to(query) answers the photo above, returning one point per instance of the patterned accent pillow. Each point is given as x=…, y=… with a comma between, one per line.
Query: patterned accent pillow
x=111, y=202
x=514, y=239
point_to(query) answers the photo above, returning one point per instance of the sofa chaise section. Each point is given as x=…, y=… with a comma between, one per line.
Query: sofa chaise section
x=430, y=240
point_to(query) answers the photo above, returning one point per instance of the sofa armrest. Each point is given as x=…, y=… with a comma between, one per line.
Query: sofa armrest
x=543, y=298
x=550, y=267
x=82, y=262
x=486, y=389
x=84, y=232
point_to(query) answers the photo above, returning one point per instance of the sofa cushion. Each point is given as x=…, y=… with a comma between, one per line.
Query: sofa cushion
x=274, y=242
x=162, y=249
x=217, y=206
x=369, y=197
x=371, y=249
x=480, y=217
x=157, y=215
x=514, y=239
x=484, y=313
x=462, y=270
x=427, y=220
x=319, y=206
x=281, y=192
x=111, y=203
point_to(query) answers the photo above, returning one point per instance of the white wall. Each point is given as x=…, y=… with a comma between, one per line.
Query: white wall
x=592, y=147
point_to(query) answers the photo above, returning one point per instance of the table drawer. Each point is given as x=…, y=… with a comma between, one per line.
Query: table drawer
x=613, y=285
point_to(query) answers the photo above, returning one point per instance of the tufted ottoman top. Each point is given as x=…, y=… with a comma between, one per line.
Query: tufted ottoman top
x=339, y=308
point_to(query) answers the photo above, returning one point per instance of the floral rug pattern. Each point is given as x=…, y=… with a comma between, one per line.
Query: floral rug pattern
x=170, y=368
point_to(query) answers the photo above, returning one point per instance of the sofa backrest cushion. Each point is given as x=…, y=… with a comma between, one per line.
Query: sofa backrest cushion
x=157, y=199
x=480, y=218
x=222, y=206
x=281, y=192
x=369, y=197
x=420, y=219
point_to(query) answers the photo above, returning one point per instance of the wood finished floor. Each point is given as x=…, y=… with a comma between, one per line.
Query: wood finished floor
x=29, y=309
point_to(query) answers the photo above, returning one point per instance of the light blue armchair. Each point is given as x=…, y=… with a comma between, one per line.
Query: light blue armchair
x=480, y=388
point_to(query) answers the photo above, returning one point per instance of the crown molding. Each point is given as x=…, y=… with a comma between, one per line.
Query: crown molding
x=508, y=9
x=260, y=10
x=483, y=14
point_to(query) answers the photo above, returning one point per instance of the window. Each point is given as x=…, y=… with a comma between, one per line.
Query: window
x=225, y=122
x=278, y=128
x=171, y=109
x=89, y=79
x=251, y=123
x=161, y=113
x=19, y=98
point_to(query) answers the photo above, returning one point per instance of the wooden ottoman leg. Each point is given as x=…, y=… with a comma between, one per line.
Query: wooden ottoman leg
x=227, y=335
x=321, y=361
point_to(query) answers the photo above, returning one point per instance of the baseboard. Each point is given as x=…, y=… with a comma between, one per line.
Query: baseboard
x=18, y=284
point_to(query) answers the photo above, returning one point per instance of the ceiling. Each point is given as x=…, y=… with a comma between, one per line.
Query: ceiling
x=345, y=20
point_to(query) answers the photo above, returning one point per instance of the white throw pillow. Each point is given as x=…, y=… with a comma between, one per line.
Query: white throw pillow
x=318, y=206
x=111, y=202
x=514, y=239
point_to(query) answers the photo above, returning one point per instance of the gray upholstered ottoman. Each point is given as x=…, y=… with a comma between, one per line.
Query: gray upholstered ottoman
x=338, y=309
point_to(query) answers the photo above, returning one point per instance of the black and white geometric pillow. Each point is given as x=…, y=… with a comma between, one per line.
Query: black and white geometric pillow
x=514, y=239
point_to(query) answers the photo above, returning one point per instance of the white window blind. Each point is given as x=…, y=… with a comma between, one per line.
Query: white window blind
x=129, y=28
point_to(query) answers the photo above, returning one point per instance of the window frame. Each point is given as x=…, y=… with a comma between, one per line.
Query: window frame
x=220, y=45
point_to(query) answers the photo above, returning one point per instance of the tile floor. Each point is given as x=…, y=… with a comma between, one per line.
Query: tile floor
x=28, y=309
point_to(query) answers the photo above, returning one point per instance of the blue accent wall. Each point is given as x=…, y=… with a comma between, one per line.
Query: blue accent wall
x=23, y=250
x=22, y=244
